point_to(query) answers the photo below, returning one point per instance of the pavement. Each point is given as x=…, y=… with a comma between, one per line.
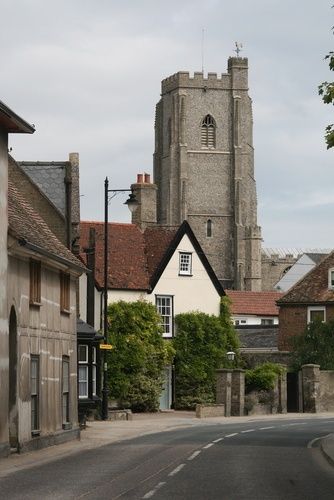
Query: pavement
x=100, y=433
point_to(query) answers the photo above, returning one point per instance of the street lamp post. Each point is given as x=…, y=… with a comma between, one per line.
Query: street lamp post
x=132, y=203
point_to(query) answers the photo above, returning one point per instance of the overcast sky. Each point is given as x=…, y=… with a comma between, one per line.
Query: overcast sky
x=87, y=73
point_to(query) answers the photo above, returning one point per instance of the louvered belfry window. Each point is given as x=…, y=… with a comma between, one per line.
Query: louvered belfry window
x=208, y=132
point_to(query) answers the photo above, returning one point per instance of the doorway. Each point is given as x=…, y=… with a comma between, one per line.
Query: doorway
x=292, y=392
x=166, y=393
x=12, y=401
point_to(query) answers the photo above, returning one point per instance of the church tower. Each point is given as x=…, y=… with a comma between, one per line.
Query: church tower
x=204, y=169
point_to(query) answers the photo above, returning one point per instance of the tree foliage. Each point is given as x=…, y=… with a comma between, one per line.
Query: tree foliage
x=138, y=357
x=201, y=343
x=326, y=90
x=315, y=345
x=262, y=377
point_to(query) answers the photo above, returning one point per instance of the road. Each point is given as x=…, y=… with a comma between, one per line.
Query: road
x=266, y=460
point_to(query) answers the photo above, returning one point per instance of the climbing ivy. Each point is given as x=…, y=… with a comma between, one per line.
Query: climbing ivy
x=201, y=343
x=138, y=356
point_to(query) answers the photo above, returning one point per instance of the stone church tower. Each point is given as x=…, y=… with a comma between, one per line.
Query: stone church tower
x=204, y=169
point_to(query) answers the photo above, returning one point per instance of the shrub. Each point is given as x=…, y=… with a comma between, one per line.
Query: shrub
x=315, y=345
x=262, y=377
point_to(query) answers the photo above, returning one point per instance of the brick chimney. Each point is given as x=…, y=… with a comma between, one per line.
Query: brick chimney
x=146, y=194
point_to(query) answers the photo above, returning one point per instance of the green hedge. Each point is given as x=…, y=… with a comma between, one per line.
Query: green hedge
x=262, y=377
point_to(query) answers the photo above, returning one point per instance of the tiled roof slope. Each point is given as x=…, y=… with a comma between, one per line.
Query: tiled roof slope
x=127, y=262
x=24, y=223
x=136, y=258
x=260, y=303
x=313, y=287
x=157, y=240
x=253, y=337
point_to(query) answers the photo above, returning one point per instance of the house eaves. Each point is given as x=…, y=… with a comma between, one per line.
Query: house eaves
x=185, y=229
x=13, y=123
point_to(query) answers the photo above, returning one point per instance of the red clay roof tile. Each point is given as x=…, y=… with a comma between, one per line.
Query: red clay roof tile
x=259, y=303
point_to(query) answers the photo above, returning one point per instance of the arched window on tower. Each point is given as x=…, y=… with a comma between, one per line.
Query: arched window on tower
x=208, y=132
x=209, y=228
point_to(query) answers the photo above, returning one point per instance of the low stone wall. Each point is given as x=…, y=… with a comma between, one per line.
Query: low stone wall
x=119, y=414
x=213, y=410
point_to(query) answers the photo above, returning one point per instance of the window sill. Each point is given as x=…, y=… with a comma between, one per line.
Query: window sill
x=35, y=433
x=35, y=304
x=187, y=275
x=66, y=312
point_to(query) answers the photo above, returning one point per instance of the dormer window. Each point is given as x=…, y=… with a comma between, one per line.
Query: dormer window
x=208, y=132
x=331, y=279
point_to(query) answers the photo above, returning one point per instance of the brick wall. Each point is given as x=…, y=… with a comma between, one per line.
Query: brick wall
x=293, y=321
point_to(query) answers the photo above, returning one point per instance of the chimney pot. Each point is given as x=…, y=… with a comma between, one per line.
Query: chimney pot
x=147, y=179
x=139, y=178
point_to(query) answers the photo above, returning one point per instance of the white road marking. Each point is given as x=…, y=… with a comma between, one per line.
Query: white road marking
x=311, y=443
x=265, y=428
x=231, y=435
x=194, y=455
x=248, y=430
x=217, y=440
x=175, y=471
x=208, y=446
x=151, y=493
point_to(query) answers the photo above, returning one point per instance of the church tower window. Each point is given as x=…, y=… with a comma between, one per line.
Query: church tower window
x=208, y=132
x=209, y=228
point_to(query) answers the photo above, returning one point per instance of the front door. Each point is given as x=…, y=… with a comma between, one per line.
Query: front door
x=166, y=393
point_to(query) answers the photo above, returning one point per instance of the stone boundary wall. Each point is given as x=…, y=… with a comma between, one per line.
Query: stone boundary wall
x=213, y=410
x=317, y=387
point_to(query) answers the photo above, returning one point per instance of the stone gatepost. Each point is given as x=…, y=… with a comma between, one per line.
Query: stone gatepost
x=238, y=393
x=311, y=388
x=224, y=389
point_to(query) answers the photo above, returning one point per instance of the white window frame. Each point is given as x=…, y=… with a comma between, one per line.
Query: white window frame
x=185, y=264
x=86, y=352
x=310, y=309
x=331, y=278
x=166, y=319
x=83, y=381
x=35, y=393
x=66, y=390
x=94, y=371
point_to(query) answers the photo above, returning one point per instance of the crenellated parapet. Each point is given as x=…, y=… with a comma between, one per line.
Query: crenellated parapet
x=237, y=73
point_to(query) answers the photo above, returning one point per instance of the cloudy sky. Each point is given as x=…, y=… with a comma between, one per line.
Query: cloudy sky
x=87, y=73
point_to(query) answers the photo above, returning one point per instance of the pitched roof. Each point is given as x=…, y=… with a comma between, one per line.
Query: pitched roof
x=157, y=240
x=316, y=257
x=13, y=123
x=127, y=268
x=137, y=259
x=313, y=287
x=259, y=303
x=30, y=229
x=258, y=336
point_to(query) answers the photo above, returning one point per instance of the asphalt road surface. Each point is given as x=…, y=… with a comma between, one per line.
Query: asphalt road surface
x=275, y=459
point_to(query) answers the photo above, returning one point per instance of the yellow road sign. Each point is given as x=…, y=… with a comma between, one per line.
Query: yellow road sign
x=108, y=347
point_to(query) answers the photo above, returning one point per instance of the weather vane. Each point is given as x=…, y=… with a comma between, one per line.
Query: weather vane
x=238, y=48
